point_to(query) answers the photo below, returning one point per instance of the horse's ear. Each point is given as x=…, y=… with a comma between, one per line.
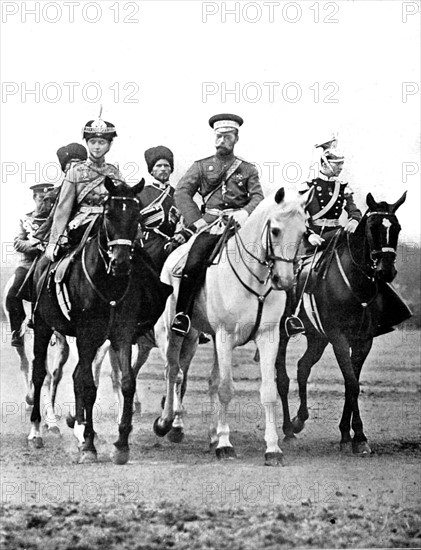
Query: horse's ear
x=280, y=195
x=109, y=184
x=371, y=203
x=307, y=197
x=138, y=188
x=397, y=204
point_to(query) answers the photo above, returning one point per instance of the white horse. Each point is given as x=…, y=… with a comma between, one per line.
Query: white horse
x=57, y=360
x=237, y=304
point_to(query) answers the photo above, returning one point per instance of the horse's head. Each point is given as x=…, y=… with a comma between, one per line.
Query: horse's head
x=285, y=227
x=121, y=216
x=382, y=232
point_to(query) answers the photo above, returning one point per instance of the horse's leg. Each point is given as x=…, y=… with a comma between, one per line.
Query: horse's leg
x=316, y=345
x=123, y=356
x=341, y=349
x=145, y=344
x=116, y=381
x=214, y=381
x=282, y=382
x=188, y=349
x=360, y=349
x=61, y=356
x=24, y=368
x=174, y=376
x=85, y=393
x=268, y=394
x=42, y=335
x=224, y=347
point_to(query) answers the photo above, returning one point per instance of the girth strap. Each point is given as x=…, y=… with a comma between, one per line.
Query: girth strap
x=260, y=298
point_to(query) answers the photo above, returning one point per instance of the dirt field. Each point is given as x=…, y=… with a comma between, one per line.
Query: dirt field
x=180, y=496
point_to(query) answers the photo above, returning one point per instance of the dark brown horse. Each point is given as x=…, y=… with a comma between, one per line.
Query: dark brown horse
x=346, y=302
x=110, y=288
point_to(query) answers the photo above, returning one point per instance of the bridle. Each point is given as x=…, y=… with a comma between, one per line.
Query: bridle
x=270, y=256
x=114, y=242
x=376, y=253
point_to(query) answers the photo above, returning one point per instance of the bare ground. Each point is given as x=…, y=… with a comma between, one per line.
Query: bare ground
x=180, y=496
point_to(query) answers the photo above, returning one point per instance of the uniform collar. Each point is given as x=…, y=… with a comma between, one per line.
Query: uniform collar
x=327, y=178
x=158, y=184
x=93, y=162
x=225, y=159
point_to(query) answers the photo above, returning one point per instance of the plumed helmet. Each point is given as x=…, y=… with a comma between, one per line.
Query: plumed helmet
x=99, y=129
x=334, y=155
x=72, y=151
x=154, y=154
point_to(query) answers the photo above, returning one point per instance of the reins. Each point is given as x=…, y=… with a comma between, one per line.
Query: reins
x=268, y=262
x=107, y=264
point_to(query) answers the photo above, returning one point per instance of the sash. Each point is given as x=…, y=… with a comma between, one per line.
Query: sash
x=153, y=213
x=329, y=205
x=223, y=181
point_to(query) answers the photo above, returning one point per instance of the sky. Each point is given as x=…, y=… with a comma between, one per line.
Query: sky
x=295, y=71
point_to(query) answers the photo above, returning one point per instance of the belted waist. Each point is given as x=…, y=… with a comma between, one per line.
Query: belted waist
x=326, y=222
x=218, y=212
x=91, y=209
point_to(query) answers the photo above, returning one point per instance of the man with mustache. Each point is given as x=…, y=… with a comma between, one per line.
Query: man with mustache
x=228, y=186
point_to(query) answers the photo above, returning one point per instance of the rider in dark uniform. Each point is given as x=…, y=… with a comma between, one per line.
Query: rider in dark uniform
x=29, y=248
x=228, y=185
x=331, y=197
x=159, y=213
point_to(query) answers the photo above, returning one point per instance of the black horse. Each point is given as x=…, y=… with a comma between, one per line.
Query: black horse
x=110, y=287
x=347, y=301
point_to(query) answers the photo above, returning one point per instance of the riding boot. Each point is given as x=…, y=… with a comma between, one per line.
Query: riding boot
x=182, y=322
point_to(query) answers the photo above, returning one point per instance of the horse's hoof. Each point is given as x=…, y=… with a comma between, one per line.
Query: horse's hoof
x=29, y=400
x=163, y=402
x=120, y=456
x=36, y=443
x=161, y=428
x=274, y=459
x=297, y=425
x=290, y=440
x=87, y=457
x=70, y=421
x=361, y=448
x=176, y=435
x=55, y=430
x=225, y=453
x=346, y=447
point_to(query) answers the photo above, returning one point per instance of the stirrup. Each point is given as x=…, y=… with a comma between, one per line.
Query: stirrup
x=181, y=324
x=293, y=326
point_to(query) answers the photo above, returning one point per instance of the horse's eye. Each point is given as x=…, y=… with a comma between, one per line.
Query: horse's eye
x=276, y=232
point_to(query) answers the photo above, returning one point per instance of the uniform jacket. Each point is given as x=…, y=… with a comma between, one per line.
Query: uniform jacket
x=163, y=214
x=71, y=205
x=28, y=226
x=324, y=190
x=241, y=190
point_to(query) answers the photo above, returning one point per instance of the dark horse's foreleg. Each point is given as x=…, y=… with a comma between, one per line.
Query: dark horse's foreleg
x=123, y=355
x=85, y=394
x=316, y=345
x=341, y=349
x=42, y=335
x=282, y=382
x=360, y=350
